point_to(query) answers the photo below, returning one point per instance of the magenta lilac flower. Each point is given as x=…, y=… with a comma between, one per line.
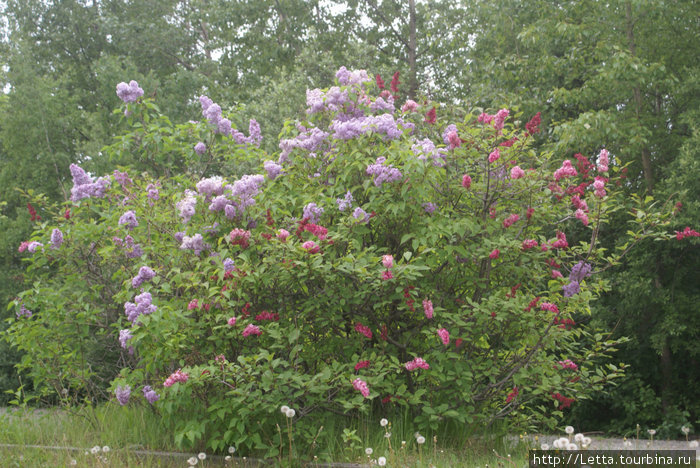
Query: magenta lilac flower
x=444, y=336
x=129, y=92
x=494, y=254
x=311, y=247
x=150, y=395
x=417, y=363
x=361, y=386
x=144, y=274
x=568, y=364
x=428, y=308
x=56, y=238
x=566, y=170
x=529, y=244
x=123, y=393
x=581, y=215
x=252, y=330
x=603, y=161
x=510, y=220
x=128, y=220
x=175, y=377
x=495, y=154
x=500, y=119
x=231, y=321
x=599, y=186
x=548, y=306
x=282, y=235
x=363, y=330
x=388, y=261
x=516, y=173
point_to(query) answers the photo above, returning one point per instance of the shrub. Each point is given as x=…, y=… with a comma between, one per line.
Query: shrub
x=382, y=258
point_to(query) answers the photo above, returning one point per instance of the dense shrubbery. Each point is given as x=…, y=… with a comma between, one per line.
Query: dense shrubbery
x=384, y=258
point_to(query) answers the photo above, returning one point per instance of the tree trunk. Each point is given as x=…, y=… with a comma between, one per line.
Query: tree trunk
x=412, y=69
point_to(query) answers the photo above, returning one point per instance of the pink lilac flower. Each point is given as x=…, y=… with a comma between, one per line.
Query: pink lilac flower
x=193, y=304
x=430, y=116
x=144, y=274
x=129, y=92
x=123, y=394
x=428, y=308
x=500, y=118
x=568, y=364
x=56, y=238
x=252, y=330
x=578, y=203
x=388, y=261
x=311, y=247
x=510, y=220
x=494, y=254
x=150, y=395
x=561, y=242
x=361, y=386
x=417, y=363
x=556, y=274
x=231, y=321
x=318, y=231
x=529, y=244
x=549, y=307
x=566, y=170
x=581, y=215
x=409, y=106
x=466, y=181
x=387, y=275
x=516, y=173
x=485, y=118
x=444, y=336
x=175, y=377
x=450, y=137
x=603, y=161
x=200, y=148
x=532, y=126
x=266, y=315
x=282, y=235
x=687, y=232
x=361, y=365
x=495, y=154
x=346, y=202
x=23, y=246
x=599, y=186
x=239, y=237
x=363, y=329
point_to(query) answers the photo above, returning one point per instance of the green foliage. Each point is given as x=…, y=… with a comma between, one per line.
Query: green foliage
x=311, y=305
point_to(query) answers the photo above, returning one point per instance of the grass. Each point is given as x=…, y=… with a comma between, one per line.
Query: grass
x=127, y=431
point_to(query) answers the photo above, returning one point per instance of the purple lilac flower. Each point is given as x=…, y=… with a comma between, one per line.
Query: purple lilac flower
x=123, y=394
x=246, y=188
x=425, y=149
x=133, y=250
x=349, y=129
x=219, y=203
x=56, y=238
x=179, y=236
x=153, y=193
x=254, y=132
x=213, y=229
x=145, y=274
x=380, y=105
x=200, y=148
x=335, y=98
x=230, y=211
x=128, y=220
x=571, y=289
x=124, y=337
x=312, y=213
x=186, y=206
x=211, y=186
x=344, y=203
x=143, y=305
x=33, y=245
x=84, y=187
x=123, y=178
x=429, y=207
x=580, y=271
x=229, y=265
x=273, y=169
x=308, y=140
x=314, y=101
x=195, y=243
x=383, y=173
x=150, y=394
x=24, y=312
x=349, y=78
x=129, y=92
x=360, y=215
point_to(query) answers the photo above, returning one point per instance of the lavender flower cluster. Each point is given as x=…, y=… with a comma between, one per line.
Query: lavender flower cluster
x=131, y=248
x=578, y=272
x=144, y=274
x=309, y=140
x=212, y=112
x=84, y=187
x=346, y=202
x=383, y=173
x=124, y=337
x=143, y=305
x=195, y=243
x=128, y=220
x=129, y=92
x=313, y=212
x=186, y=206
x=425, y=149
x=56, y=238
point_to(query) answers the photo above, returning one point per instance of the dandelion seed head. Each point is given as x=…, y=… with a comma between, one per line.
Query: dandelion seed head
x=201, y=455
x=381, y=461
x=420, y=440
x=290, y=413
x=383, y=422
x=569, y=429
x=368, y=451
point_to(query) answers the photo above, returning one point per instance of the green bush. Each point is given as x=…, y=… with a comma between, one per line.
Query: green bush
x=393, y=261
